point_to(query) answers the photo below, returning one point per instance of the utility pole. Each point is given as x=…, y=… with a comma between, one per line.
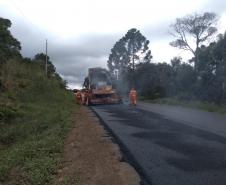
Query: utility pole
x=46, y=68
x=133, y=73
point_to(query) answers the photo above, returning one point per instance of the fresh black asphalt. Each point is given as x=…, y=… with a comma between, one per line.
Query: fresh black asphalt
x=166, y=152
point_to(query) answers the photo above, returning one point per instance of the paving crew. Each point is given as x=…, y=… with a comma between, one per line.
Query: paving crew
x=133, y=96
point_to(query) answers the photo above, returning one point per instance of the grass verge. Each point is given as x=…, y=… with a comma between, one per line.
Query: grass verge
x=211, y=107
x=34, y=119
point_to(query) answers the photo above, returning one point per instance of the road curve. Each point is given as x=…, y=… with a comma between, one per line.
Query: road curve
x=166, y=151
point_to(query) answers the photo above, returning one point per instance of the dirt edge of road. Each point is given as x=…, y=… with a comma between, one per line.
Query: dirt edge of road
x=91, y=158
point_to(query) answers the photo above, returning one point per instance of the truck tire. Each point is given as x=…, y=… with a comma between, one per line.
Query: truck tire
x=88, y=102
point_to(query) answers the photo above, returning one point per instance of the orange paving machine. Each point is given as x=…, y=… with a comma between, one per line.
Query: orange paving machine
x=99, y=88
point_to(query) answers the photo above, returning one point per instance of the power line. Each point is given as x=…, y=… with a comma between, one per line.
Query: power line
x=46, y=66
x=25, y=17
x=37, y=29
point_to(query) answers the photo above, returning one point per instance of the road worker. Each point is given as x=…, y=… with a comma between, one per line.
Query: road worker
x=75, y=92
x=83, y=96
x=86, y=97
x=79, y=97
x=133, y=96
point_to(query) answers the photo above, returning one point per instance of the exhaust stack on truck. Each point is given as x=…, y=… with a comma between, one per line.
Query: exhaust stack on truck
x=100, y=88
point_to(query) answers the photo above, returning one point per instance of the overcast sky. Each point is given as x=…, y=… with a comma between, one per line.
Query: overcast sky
x=81, y=33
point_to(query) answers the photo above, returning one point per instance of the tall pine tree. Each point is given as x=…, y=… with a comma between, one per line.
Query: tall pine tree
x=129, y=51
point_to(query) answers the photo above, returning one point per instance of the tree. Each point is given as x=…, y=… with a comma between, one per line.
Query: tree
x=40, y=58
x=147, y=80
x=198, y=27
x=175, y=63
x=153, y=80
x=210, y=85
x=9, y=46
x=128, y=51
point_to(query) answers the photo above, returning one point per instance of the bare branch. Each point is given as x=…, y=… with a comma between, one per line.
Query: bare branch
x=201, y=27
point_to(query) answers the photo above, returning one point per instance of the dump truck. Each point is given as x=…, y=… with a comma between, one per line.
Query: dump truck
x=100, y=89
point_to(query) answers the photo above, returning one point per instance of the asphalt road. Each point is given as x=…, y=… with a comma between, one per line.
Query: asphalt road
x=168, y=150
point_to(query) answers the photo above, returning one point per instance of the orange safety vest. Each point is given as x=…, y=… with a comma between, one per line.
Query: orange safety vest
x=79, y=97
x=133, y=96
x=133, y=93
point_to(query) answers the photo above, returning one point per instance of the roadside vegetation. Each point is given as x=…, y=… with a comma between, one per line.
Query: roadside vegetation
x=201, y=81
x=35, y=115
x=210, y=107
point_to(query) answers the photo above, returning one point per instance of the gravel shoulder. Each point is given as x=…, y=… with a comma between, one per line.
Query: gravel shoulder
x=90, y=157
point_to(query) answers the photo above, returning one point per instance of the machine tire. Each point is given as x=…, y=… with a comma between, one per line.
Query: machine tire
x=88, y=103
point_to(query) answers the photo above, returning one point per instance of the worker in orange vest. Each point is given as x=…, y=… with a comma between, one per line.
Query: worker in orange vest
x=133, y=96
x=83, y=96
x=79, y=97
x=75, y=94
x=86, y=97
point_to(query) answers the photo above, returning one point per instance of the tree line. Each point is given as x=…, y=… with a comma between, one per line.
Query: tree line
x=35, y=114
x=10, y=49
x=203, y=77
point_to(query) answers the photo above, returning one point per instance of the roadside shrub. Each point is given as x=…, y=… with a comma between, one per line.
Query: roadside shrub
x=8, y=113
x=35, y=116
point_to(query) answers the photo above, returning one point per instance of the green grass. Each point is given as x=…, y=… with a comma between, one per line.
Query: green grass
x=35, y=116
x=211, y=107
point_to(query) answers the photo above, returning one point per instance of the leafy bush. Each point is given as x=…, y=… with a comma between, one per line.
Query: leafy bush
x=8, y=113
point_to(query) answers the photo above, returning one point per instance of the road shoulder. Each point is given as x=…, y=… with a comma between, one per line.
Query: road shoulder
x=209, y=121
x=90, y=157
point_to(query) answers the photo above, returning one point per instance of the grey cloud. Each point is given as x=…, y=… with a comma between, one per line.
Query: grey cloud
x=71, y=79
x=217, y=6
x=72, y=57
x=75, y=69
x=158, y=31
x=93, y=45
x=78, y=65
x=31, y=37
